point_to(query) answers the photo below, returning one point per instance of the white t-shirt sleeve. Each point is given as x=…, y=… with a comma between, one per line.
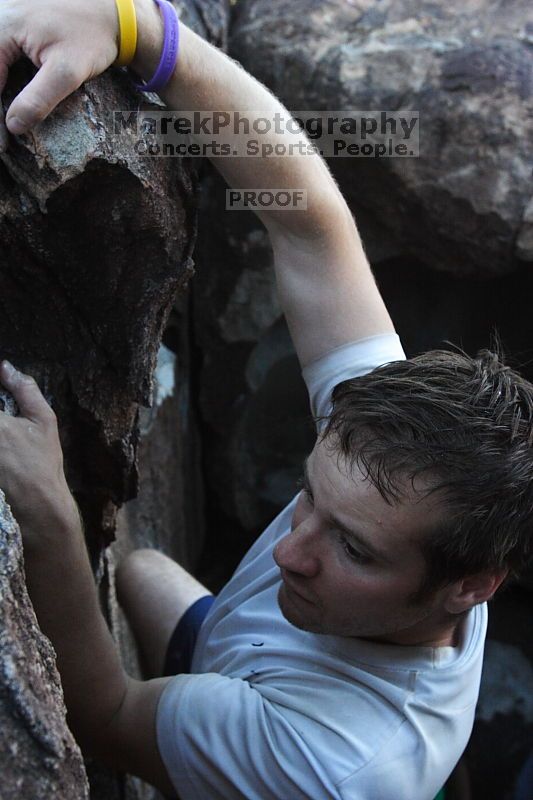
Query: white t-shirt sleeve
x=220, y=739
x=348, y=361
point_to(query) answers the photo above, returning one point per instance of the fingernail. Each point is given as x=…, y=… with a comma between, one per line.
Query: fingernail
x=16, y=126
x=8, y=368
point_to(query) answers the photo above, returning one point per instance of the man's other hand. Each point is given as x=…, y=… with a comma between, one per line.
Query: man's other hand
x=69, y=41
x=31, y=462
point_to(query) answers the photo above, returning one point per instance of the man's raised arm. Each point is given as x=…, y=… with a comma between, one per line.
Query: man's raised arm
x=325, y=285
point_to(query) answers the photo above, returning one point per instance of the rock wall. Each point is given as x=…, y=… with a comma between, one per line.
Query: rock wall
x=465, y=205
x=38, y=755
x=96, y=244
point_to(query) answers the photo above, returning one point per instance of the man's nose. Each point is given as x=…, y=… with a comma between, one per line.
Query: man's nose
x=298, y=552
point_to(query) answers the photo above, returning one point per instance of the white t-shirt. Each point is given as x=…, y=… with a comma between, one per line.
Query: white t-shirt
x=275, y=713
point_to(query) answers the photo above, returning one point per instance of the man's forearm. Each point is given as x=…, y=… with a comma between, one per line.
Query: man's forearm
x=62, y=589
x=205, y=79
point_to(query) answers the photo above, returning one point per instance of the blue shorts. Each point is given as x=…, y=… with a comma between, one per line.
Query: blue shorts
x=181, y=645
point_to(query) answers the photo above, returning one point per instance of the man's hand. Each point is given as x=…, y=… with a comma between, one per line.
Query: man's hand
x=69, y=42
x=31, y=461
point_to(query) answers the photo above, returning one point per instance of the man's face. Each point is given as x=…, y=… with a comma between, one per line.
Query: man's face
x=360, y=584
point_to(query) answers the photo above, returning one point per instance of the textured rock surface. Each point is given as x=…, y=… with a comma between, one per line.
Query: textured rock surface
x=94, y=250
x=39, y=757
x=168, y=513
x=96, y=242
x=465, y=205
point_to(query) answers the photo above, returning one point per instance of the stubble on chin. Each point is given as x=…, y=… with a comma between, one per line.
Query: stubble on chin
x=294, y=616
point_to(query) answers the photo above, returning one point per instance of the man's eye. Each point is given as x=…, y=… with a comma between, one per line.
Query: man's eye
x=352, y=553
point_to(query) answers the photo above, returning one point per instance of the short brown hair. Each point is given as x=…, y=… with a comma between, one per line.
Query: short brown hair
x=465, y=425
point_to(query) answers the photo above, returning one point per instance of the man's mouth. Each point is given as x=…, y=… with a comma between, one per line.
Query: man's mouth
x=289, y=583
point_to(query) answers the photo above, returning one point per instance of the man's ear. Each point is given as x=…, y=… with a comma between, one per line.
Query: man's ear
x=474, y=589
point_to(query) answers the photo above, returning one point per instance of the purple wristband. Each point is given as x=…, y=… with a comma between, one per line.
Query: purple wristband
x=169, y=56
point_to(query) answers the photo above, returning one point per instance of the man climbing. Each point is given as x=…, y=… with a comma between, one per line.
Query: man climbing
x=343, y=659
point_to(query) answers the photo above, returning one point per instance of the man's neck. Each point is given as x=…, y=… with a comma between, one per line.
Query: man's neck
x=446, y=636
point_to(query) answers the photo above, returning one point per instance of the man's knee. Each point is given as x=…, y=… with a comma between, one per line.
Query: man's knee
x=154, y=592
x=137, y=568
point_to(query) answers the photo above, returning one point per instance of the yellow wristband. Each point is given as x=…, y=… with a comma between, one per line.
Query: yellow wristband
x=127, y=22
